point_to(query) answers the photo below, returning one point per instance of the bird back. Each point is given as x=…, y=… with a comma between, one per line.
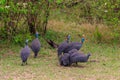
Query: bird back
x=25, y=52
x=61, y=47
x=35, y=46
x=79, y=57
x=73, y=45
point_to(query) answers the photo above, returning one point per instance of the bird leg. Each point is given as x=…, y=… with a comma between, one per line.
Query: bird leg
x=26, y=63
x=35, y=55
x=22, y=64
x=76, y=63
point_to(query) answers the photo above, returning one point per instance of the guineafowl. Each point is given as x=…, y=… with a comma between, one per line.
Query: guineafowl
x=25, y=52
x=63, y=59
x=35, y=45
x=74, y=56
x=79, y=57
x=63, y=45
x=73, y=45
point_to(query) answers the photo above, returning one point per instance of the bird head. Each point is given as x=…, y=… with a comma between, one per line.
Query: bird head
x=82, y=40
x=36, y=34
x=26, y=42
x=89, y=54
x=68, y=38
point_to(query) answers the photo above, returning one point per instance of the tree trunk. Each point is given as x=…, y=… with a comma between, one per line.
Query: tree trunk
x=31, y=23
x=46, y=17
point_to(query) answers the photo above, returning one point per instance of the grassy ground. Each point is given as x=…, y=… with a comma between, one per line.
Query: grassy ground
x=103, y=64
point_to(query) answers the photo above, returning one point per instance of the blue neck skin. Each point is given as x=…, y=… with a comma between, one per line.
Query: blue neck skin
x=68, y=38
x=26, y=42
x=36, y=35
x=82, y=40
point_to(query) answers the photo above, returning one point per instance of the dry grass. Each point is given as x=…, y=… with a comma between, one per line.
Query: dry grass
x=61, y=26
x=78, y=30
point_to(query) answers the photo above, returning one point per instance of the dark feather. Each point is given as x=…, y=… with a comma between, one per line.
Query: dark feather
x=52, y=43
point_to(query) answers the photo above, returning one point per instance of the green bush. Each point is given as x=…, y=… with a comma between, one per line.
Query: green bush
x=20, y=38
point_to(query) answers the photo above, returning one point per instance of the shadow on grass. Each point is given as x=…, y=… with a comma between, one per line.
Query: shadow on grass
x=78, y=66
x=93, y=61
x=72, y=66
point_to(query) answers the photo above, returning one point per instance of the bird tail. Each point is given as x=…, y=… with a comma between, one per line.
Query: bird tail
x=52, y=43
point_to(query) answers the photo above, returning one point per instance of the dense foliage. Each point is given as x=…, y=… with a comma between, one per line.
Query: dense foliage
x=25, y=17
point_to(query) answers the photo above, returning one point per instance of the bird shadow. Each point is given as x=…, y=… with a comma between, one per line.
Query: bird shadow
x=93, y=61
x=73, y=66
x=77, y=66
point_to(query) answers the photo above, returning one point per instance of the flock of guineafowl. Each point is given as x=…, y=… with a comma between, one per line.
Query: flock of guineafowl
x=68, y=52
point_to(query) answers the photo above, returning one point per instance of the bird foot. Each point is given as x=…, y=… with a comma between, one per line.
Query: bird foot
x=35, y=56
x=22, y=64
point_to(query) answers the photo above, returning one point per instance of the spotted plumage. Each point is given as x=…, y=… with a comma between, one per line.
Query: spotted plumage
x=25, y=52
x=35, y=46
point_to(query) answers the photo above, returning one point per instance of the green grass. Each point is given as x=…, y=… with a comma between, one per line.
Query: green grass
x=103, y=64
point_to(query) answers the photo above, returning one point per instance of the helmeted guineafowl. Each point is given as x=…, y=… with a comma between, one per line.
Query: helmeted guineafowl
x=73, y=57
x=25, y=52
x=79, y=57
x=63, y=45
x=35, y=45
x=73, y=45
